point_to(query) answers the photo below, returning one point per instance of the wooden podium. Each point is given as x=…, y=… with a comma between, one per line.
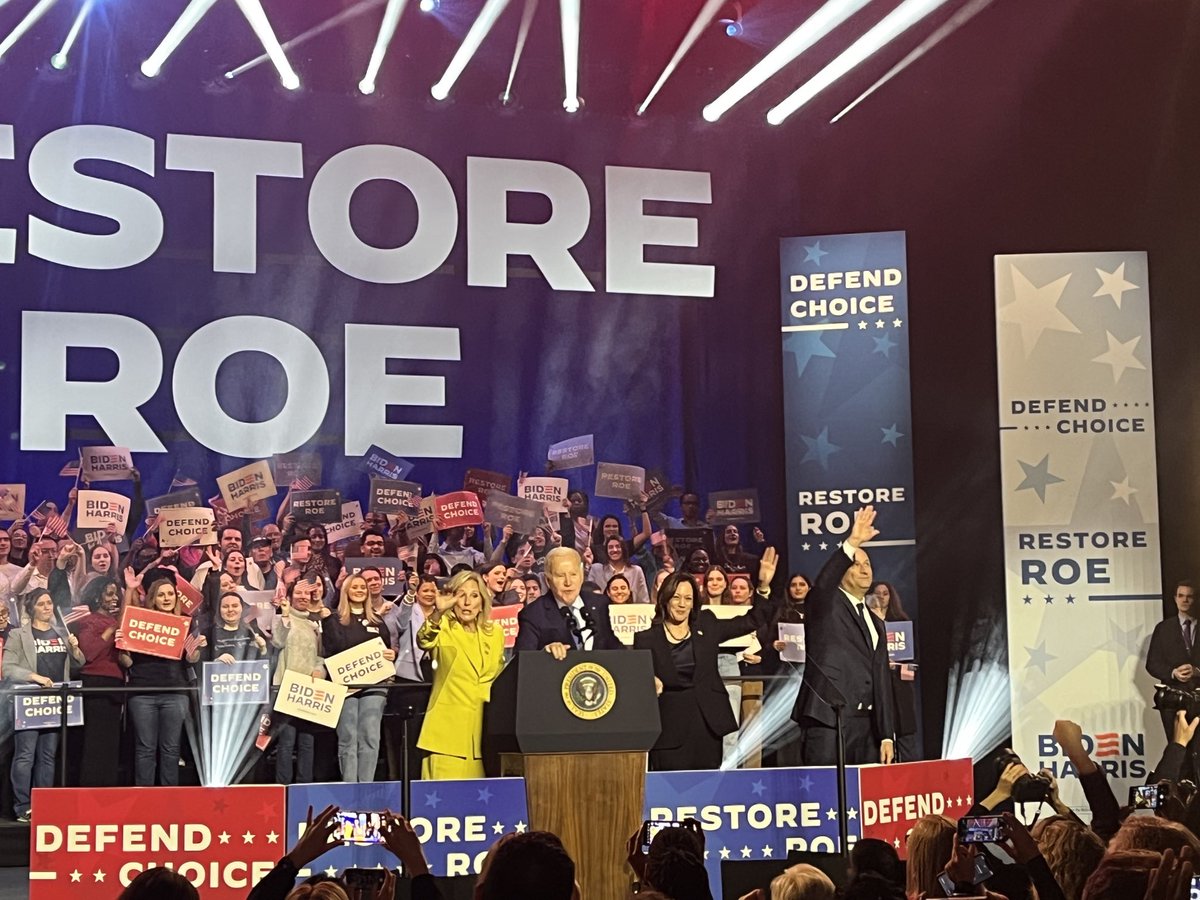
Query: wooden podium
x=578, y=730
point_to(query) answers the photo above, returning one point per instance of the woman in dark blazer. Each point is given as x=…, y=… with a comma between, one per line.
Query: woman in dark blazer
x=693, y=705
x=884, y=601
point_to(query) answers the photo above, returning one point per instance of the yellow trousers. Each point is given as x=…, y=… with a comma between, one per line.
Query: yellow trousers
x=436, y=767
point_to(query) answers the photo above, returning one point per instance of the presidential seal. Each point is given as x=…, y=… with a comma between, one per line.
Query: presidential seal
x=588, y=690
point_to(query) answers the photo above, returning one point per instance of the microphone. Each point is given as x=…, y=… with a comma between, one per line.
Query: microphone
x=568, y=614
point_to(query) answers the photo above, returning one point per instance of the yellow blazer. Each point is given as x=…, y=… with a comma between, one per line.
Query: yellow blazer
x=466, y=665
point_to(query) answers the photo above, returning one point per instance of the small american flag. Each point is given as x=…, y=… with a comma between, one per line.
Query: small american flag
x=70, y=470
x=38, y=516
x=75, y=613
x=181, y=481
x=56, y=526
x=191, y=643
x=302, y=483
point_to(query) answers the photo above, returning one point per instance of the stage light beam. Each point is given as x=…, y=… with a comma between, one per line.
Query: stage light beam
x=522, y=33
x=428, y=6
x=332, y=22
x=890, y=27
x=483, y=23
x=257, y=17
x=815, y=27
x=30, y=19
x=707, y=13
x=59, y=59
x=570, y=13
x=387, y=29
x=183, y=26
x=978, y=714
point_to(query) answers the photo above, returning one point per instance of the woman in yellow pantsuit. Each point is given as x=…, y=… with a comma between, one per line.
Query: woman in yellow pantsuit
x=468, y=653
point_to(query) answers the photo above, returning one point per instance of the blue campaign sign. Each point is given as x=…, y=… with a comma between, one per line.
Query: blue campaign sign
x=384, y=464
x=44, y=710
x=457, y=821
x=247, y=682
x=755, y=813
x=900, y=641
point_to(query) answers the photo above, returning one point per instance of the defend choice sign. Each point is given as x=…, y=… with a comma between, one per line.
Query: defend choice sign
x=180, y=527
x=622, y=482
x=394, y=497
x=98, y=509
x=45, y=710
x=105, y=463
x=246, y=682
x=456, y=509
x=504, y=509
x=363, y=664
x=152, y=632
x=310, y=699
x=243, y=486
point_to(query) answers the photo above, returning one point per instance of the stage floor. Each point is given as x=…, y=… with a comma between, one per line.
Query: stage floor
x=14, y=883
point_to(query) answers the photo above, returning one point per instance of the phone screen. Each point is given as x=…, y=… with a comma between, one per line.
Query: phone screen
x=1147, y=796
x=981, y=829
x=361, y=827
x=653, y=827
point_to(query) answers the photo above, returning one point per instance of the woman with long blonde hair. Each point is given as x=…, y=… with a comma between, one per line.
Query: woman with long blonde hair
x=468, y=653
x=354, y=623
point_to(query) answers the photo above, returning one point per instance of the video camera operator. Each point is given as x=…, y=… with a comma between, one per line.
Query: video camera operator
x=1174, y=658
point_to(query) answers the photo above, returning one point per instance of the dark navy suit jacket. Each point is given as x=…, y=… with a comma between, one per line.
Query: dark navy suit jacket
x=541, y=623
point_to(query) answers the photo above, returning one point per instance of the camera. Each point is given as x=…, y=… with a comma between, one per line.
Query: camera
x=1170, y=699
x=1029, y=788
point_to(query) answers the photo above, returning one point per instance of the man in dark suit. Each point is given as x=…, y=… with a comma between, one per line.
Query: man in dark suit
x=1174, y=654
x=847, y=660
x=565, y=617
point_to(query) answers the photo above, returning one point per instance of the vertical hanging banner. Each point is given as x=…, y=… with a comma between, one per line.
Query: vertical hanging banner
x=1081, y=541
x=846, y=399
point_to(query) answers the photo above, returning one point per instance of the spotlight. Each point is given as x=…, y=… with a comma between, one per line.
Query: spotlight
x=366, y=87
x=479, y=29
x=58, y=61
x=701, y=22
x=569, y=12
x=572, y=104
x=428, y=6
x=732, y=28
x=439, y=91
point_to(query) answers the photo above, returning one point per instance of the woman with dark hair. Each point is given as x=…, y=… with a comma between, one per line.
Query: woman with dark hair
x=616, y=562
x=884, y=600
x=158, y=717
x=730, y=552
x=19, y=554
x=318, y=541
x=159, y=884
x=617, y=590
x=683, y=640
x=432, y=564
x=101, y=668
x=609, y=526
x=231, y=639
x=37, y=653
x=697, y=562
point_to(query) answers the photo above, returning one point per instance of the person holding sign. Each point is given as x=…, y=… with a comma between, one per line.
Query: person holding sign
x=884, y=600
x=468, y=654
x=847, y=660
x=232, y=640
x=158, y=717
x=356, y=622
x=296, y=633
x=684, y=640
x=37, y=653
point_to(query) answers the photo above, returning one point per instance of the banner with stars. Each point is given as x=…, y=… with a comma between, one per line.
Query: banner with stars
x=847, y=404
x=1080, y=485
x=91, y=842
x=456, y=821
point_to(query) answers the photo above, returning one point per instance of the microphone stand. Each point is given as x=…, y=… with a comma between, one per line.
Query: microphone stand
x=837, y=704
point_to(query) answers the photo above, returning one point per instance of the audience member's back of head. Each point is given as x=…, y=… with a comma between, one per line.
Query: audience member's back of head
x=1153, y=833
x=680, y=838
x=875, y=856
x=160, y=884
x=1122, y=875
x=930, y=845
x=871, y=886
x=1072, y=851
x=678, y=872
x=321, y=890
x=1012, y=881
x=802, y=882
x=533, y=864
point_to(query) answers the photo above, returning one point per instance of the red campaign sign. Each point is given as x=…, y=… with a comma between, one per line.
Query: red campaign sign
x=90, y=842
x=152, y=632
x=457, y=508
x=506, y=618
x=895, y=797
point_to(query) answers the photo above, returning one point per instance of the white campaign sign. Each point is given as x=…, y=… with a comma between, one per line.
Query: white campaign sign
x=1080, y=494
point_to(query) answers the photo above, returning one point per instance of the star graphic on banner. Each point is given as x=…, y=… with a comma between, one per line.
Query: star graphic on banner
x=820, y=448
x=879, y=323
x=805, y=547
x=1127, y=639
x=724, y=853
x=224, y=836
x=1120, y=356
x=497, y=828
x=891, y=435
x=1113, y=284
x=433, y=800
x=883, y=345
x=896, y=323
x=1049, y=600
x=806, y=783
x=1069, y=599
x=219, y=805
x=831, y=814
x=272, y=838
x=757, y=788
x=1038, y=477
x=814, y=253
x=706, y=854
x=99, y=876
x=852, y=813
x=958, y=801
x=1122, y=490
x=1035, y=309
x=746, y=851
x=767, y=851
x=968, y=799
x=804, y=345
x=1039, y=657
x=248, y=838
x=896, y=843
x=76, y=875
x=485, y=795
x=331, y=872
x=862, y=325
x=1028, y=600
x=823, y=545
x=520, y=827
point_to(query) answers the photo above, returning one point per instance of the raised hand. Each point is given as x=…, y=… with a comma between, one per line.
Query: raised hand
x=320, y=836
x=445, y=601
x=402, y=841
x=864, y=527
x=767, y=566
